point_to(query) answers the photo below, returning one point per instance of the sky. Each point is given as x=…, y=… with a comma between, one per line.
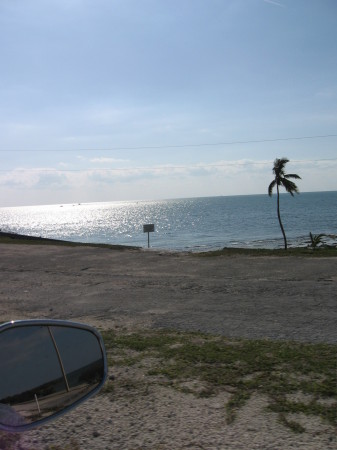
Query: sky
x=114, y=100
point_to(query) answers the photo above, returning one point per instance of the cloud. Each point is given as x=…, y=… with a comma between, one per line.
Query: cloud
x=46, y=176
x=53, y=181
x=34, y=179
x=104, y=160
x=321, y=164
x=173, y=171
x=273, y=2
x=222, y=177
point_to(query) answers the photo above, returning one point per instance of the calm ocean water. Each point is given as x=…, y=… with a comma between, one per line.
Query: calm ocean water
x=191, y=224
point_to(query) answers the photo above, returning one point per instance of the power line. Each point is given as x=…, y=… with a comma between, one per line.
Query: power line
x=162, y=168
x=258, y=141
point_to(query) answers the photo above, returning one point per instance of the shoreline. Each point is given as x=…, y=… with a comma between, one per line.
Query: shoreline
x=321, y=251
x=183, y=225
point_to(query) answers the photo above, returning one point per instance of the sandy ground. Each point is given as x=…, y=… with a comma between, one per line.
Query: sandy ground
x=254, y=297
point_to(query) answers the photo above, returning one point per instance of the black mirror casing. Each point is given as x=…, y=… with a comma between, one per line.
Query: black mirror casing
x=47, y=367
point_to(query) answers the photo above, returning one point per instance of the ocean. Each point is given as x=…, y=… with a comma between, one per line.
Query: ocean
x=189, y=224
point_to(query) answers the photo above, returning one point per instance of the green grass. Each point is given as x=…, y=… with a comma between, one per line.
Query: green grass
x=210, y=365
x=8, y=238
x=323, y=251
x=296, y=251
x=295, y=378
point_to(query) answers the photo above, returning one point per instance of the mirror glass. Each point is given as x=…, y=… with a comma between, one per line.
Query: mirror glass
x=45, y=369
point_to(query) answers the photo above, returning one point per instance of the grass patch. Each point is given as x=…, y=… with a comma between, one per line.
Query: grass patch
x=320, y=252
x=241, y=367
x=14, y=238
x=295, y=378
x=292, y=424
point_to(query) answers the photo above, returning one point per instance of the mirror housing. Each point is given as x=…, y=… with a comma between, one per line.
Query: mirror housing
x=47, y=367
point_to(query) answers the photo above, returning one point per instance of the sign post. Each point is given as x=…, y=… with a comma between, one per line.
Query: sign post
x=148, y=228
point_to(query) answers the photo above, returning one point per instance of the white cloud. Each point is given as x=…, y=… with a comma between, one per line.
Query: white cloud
x=104, y=160
x=222, y=177
x=273, y=2
x=33, y=178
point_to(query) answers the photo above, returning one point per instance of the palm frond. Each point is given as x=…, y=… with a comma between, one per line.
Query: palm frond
x=281, y=162
x=289, y=186
x=292, y=175
x=279, y=165
x=271, y=187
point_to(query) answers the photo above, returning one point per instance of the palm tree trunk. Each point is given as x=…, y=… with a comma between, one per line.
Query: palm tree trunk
x=279, y=218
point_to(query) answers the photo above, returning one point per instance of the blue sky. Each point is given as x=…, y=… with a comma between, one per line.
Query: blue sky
x=104, y=100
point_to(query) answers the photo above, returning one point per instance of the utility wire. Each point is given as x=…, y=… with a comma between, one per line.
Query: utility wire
x=163, y=168
x=258, y=141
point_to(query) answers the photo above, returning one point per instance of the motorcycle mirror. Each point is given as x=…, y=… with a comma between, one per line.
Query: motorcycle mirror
x=47, y=367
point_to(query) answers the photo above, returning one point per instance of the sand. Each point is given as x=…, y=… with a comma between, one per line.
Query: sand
x=291, y=298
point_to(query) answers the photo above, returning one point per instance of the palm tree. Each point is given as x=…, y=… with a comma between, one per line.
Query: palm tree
x=282, y=179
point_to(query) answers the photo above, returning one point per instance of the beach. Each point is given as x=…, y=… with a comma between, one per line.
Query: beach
x=239, y=296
